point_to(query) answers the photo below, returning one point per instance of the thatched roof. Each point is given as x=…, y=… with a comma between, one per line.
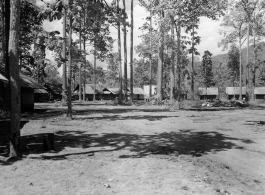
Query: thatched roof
x=208, y=91
x=3, y=78
x=90, y=89
x=54, y=88
x=28, y=82
x=259, y=90
x=235, y=90
x=25, y=81
x=112, y=90
x=40, y=91
x=138, y=91
x=115, y=91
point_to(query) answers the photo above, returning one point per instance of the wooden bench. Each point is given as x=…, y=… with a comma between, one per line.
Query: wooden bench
x=5, y=126
x=46, y=139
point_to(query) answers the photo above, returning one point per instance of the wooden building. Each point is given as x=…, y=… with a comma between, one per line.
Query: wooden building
x=259, y=93
x=27, y=86
x=146, y=90
x=54, y=90
x=138, y=94
x=234, y=92
x=208, y=93
x=41, y=95
x=110, y=93
x=3, y=85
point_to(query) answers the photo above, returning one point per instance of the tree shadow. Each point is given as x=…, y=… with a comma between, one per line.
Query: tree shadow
x=45, y=113
x=185, y=142
x=120, y=117
x=259, y=123
x=255, y=107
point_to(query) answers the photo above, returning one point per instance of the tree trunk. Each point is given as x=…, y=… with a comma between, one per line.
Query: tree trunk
x=13, y=55
x=80, y=83
x=172, y=68
x=94, y=71
x=248, y=68
x=80, y=67
x=159, y=88
x=69, y=102
x=3, y=18
x=192, y=65
x=125, y=51
x=119, y=51
x=150, y=66
x=240, y=69
x=84, y=73
x=64, y=87
x=253, y=70
x=178, y=63
x=5, y=40
x=6, y=34
x=131, y=76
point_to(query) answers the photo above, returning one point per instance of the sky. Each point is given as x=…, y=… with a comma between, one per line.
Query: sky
x=208, y=31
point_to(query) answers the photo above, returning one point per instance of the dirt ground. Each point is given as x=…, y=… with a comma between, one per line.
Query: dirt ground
x=139, y=150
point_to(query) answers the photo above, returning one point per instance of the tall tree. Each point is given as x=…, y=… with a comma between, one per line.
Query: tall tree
x=125, y=50
x=131, y=53
x=150, y=60
x=179, y=52
x=172, y=69
x=187, y=13
x=69, y=89
x=207, y=69
x=13, y=55
x=94, y=71
x=248, y=8
x=119, y=50
x=5, y=11
x=113, y=70
x=159, y=88
x=235, y=20
x=64, y=86
x=80, y=65
x=233, y=64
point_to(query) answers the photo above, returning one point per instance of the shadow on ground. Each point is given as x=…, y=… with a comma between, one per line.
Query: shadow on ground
x=120, y=117
x=259, y=123
x=45, y=113
x=185, y=142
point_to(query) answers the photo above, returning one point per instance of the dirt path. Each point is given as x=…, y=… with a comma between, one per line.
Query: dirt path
x=135, y=150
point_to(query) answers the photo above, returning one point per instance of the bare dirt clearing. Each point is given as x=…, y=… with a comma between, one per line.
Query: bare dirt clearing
x=140, y=150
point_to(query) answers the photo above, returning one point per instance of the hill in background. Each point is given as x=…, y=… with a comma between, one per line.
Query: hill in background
x=222, y=59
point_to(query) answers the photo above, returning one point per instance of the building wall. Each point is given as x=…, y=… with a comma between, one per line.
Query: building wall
x=203, y=97
x=41, y=97
x=260, y=96
x=146, y=90
x=109, y=96
x=27, y=99
x=1, y=94
x=138, y=96
x=4, y=95
x=230, y=97
x=89, y=97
